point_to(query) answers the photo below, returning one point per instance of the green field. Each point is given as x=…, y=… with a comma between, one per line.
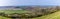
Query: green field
x=55, y=15
x=12, y=11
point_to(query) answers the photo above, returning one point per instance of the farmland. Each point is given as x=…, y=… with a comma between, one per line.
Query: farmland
x=55, y=15
x=29, y=12
x=12, y=11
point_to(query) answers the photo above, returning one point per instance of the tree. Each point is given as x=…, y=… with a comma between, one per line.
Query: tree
x=17, y=7
x=57, y=8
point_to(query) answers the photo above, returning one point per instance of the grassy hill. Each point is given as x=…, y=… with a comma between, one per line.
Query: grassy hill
x=55, y=15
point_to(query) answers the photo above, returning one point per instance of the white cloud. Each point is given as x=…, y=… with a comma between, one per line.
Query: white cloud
x=5, y=2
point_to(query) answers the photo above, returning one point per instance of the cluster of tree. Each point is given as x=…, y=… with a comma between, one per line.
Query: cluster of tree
x=46, y=11
x=37, y=11
x=25, y=7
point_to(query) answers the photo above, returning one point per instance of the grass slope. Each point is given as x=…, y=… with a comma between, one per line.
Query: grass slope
x=55, y=15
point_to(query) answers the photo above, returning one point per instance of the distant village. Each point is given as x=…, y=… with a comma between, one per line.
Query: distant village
x=22, y=7
x=16, y=7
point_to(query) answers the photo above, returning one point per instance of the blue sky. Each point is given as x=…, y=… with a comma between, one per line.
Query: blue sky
x=28, y=2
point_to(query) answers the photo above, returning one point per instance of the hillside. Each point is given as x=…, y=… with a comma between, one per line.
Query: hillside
x=55, y=15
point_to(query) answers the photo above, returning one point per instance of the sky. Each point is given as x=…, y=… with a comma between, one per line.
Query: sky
x=28, y=2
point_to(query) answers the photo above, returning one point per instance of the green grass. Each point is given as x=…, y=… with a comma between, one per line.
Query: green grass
x=55, y=15
x=12, y=11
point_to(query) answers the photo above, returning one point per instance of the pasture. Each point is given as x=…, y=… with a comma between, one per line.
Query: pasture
x=13, y=11
x=55, y=15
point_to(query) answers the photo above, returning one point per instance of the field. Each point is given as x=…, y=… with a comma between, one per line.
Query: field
x=55, y=15
x=12, y=11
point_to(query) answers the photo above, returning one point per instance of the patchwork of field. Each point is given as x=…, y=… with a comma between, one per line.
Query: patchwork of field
x=13, y=11
x=55, y=15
